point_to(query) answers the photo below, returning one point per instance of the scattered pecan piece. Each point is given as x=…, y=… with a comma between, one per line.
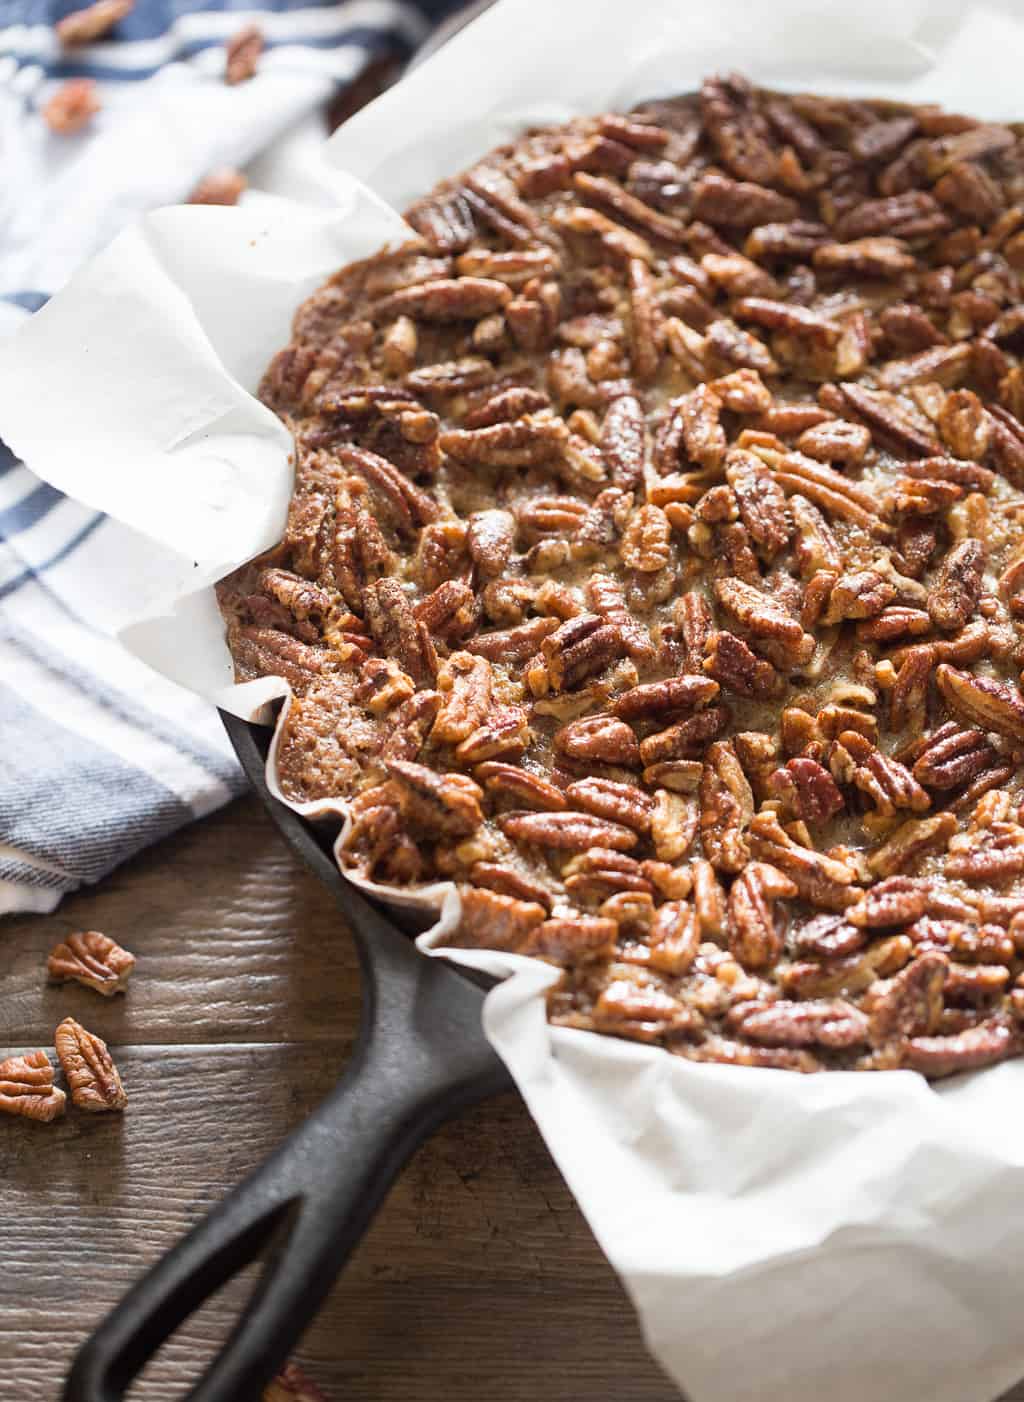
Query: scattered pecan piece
x=72, y=107
x=242, y=54
x=224, y=186
x=89, y=1068
x=292, y=1385
x=83, y=26
x=92, y=959
x=27, y=1089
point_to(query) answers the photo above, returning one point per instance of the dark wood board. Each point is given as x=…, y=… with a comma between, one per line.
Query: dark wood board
x=478, y=1277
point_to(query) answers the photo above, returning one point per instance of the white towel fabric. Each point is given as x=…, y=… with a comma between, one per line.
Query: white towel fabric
x=98, y=755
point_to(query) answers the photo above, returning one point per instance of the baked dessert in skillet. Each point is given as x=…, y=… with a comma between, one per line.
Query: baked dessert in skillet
x=654, y=572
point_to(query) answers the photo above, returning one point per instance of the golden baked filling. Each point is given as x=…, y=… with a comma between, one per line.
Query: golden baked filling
x=653, y=571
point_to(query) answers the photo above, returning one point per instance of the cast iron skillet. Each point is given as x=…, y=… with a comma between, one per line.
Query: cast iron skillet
x=420, y=1057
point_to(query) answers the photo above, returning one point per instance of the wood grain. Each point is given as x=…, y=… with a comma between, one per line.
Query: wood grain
x=479, y=1275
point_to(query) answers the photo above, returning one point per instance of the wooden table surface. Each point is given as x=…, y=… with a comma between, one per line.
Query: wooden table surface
x=479, y=1277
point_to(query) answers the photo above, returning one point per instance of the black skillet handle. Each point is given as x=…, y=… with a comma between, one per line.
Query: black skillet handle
x=421, y=1057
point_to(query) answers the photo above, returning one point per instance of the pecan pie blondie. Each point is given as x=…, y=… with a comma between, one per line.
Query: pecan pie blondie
x=654, y=572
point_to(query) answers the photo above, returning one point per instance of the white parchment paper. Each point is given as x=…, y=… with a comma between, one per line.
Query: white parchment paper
x=784, y=1238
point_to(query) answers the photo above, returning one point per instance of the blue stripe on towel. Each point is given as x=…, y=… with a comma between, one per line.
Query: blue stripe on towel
x=13, y=585
x=367, y=41
x=71, y=803
x=122, y=706
x=152, y=18
x=32, y=508
x=27, y=875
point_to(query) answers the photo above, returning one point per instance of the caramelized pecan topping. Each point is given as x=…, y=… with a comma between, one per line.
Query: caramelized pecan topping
x=652, y=571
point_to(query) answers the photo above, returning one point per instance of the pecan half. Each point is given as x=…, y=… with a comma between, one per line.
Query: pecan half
x=89, y=1068
x=824, y=881
x=832, y=1023
x=954, y=595
x=674, y=939
x=491, y=920
x=577, y=648
x=732, y=664
x=682, y=740
x=758, y=612
x=619, y=803
x=702, y=433
x=910, y=842
x=437, y=803
x=27, y=1089
x=897, y=900
x=391, y=620
x=756, y=927
x=726, y=808
x=983, y=1045
x=567, y=832
x=572, y=939
x=520, y=786
x=535, y=438
x=623, y=442
x=505, y=732
x=853, y=759
x=683, y=693
x=673, y=825
x=646, y=540
x=92, y=959
x=952, y=756
x=909, y=1005
x=982, y=701
x=808, y=789
x=603, y=739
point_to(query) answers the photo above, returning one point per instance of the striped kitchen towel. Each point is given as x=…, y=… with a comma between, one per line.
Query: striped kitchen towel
x=99, y=755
